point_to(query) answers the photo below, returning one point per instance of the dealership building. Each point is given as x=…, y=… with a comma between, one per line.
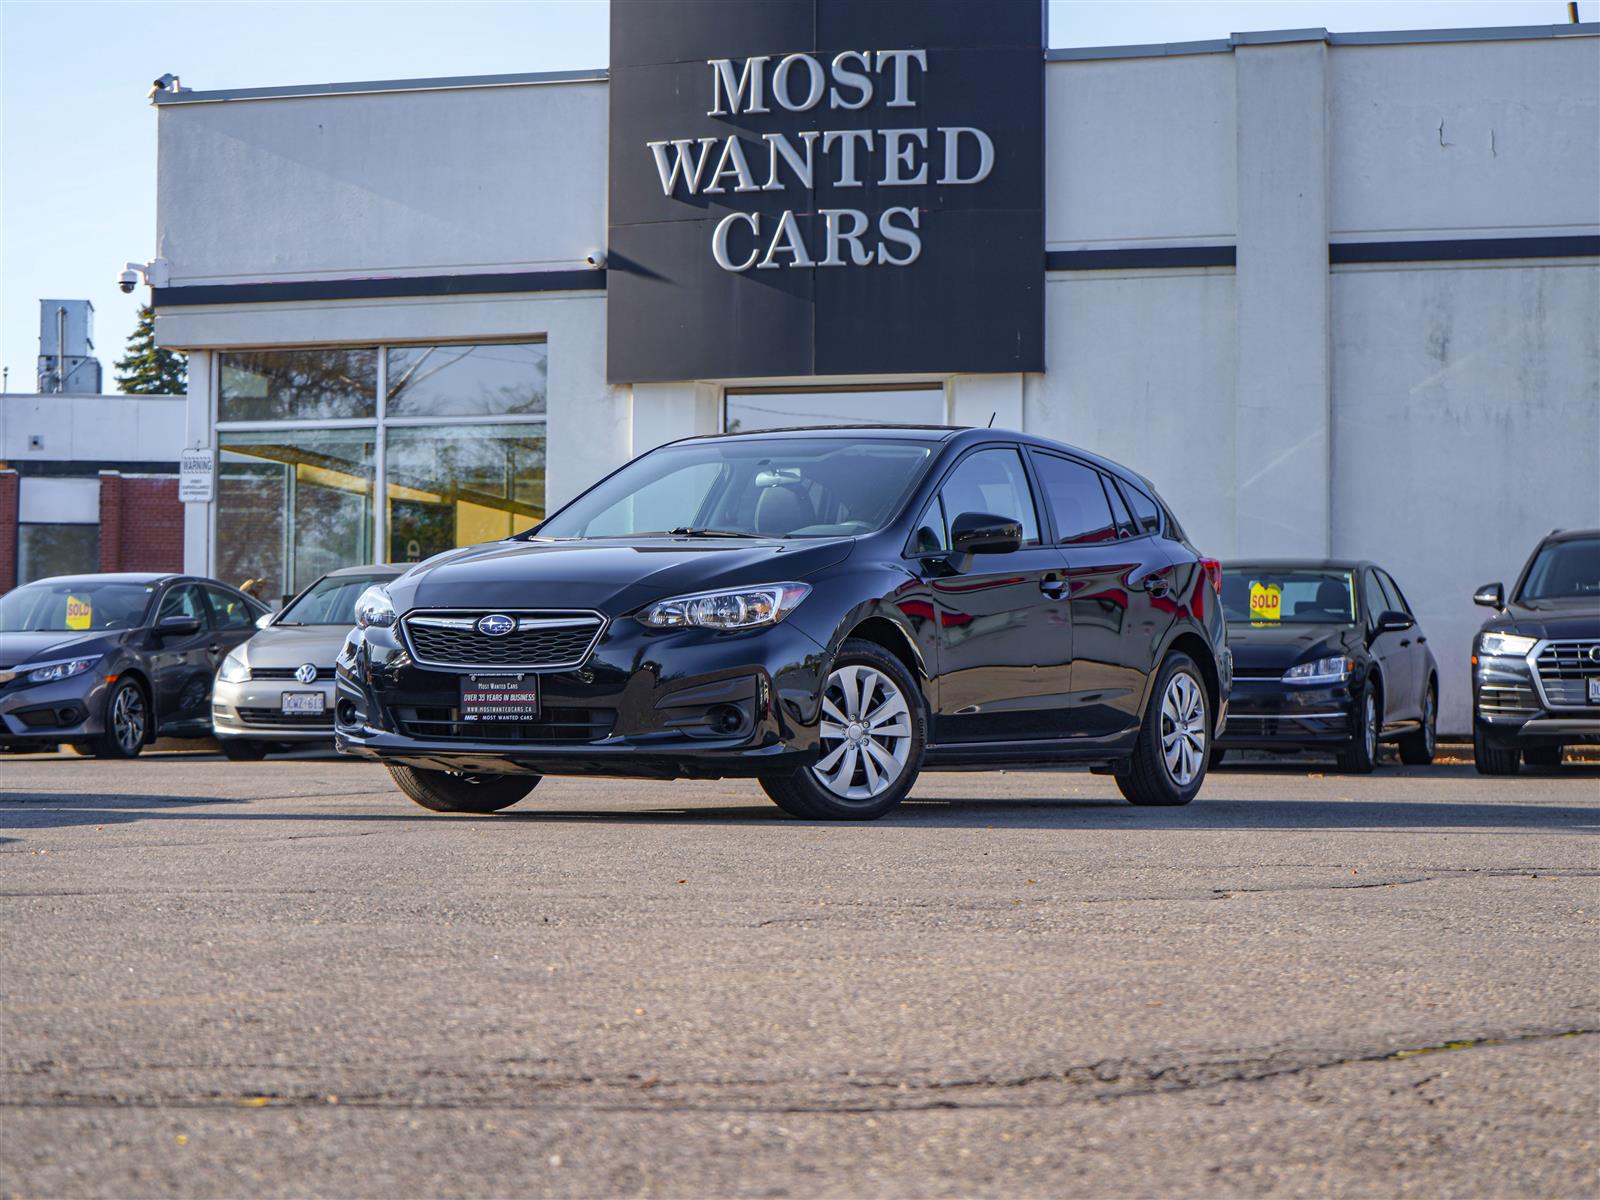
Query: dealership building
x=1334, y=294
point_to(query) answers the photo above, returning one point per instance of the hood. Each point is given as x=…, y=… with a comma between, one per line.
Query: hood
x=19, y=648
x=1578, y=617
x=614, y=577
x=292, y=645
x=1263, y=647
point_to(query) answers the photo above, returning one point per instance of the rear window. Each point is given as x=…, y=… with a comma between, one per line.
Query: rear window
x=1145, y=510
x=1264, y=596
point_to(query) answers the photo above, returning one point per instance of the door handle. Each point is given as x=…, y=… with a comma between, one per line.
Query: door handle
x=1421, y=640
x=214, y=648
x=1157, y=583
x=1053, y=587
x=1405, y=641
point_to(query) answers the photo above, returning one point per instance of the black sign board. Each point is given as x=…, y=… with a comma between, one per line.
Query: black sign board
x=825, y=187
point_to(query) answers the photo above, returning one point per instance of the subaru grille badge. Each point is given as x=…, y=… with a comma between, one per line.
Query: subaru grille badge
x=496, y=625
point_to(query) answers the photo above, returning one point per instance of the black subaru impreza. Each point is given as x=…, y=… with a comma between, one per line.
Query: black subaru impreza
x=826, y=610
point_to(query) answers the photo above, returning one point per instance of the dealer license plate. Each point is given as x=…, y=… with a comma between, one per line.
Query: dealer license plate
x=499, y=697
x=296, y=703
x=1594, y=690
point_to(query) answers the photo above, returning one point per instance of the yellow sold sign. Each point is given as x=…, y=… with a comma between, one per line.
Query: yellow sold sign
x=1266, y=602
x=80, y=613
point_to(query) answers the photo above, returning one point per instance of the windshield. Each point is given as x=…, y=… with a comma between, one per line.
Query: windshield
x=1564, y=570
x=331, y=600
x=74, y=606
x=1263, y=596
x=791, y=487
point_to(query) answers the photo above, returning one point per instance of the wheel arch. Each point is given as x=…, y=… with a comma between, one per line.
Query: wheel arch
x=885, y=632
x=1196, y=647
x=148, y=688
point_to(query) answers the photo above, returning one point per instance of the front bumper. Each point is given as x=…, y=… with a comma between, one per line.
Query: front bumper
x=254, y=710
x=681, y=703
x=1511, y=705
x=1268, y=714
x=46, y=714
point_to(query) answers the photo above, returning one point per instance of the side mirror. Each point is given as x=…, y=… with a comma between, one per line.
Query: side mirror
x=984, y=533
x=1490, y=595
x=264, y=620
x=177, y=627
x=1395, y=622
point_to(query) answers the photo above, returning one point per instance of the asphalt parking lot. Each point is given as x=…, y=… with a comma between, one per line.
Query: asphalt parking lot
x=284, y=979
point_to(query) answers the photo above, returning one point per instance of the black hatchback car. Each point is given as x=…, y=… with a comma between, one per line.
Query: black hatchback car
x=107, y=663
x=1536, y=662
x=826, y=610
x=1328, y=656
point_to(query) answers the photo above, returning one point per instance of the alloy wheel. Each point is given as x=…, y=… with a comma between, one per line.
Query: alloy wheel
x=128, y=719
x=1430, y=723
x=865, y=733
x=1183, y=728
x=1369, y=730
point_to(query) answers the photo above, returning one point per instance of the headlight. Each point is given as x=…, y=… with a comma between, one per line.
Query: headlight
x=66, y=669
x=1513, y=645
x=233, y=669
x=1322, y=670
x=373, y=607
x=739, y=608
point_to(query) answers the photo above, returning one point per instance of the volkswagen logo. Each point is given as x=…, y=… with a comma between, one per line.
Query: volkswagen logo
x=306, y=672
x=496, y=625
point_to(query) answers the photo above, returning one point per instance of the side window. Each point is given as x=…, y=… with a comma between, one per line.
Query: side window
x=930, y=536
x=1372, y=596
x=229, y=611
x=182, y=601
x=1126, y=526
x=993, y=482
x=1077, y=500
x=1391, y=590
x=1144, y=508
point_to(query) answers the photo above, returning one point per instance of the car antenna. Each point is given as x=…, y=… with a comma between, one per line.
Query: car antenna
x=992, y=416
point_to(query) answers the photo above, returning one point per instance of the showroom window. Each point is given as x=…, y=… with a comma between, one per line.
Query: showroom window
x=783, y=408
x=450, y=436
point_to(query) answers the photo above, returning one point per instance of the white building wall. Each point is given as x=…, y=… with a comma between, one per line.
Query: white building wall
x=91, y=428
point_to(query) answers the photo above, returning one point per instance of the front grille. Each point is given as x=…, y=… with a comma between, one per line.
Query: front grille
x=572, y=725
x=1512, y=701
x=272, y=716
x=323, y=673
x=540, y=641
x=1565, y=669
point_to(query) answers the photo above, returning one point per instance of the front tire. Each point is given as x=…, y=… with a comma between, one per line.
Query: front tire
x=1491, y=759
x=1362, y=754
x=872, y=732
x=127, y=723
x=448, y=792
x=1169, y=760
x=1416, y=749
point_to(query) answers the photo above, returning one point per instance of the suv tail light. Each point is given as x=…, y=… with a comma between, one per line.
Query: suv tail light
x=1213, y=570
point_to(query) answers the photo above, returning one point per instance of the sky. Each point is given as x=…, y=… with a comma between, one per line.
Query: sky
x=78, y=138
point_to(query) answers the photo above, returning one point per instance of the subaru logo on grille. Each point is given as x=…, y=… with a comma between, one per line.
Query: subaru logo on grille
x=496, y=625
x=306, y=672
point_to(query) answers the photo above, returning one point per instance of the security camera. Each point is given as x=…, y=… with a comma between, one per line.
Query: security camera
x=596, y=259
x=165, y=82
x=128, y=280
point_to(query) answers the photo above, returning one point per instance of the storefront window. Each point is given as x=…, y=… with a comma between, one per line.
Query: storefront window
x=453, y=486
x=784, y=409
x=293, y=505
x=45, y=550
x=467, y=381
x=298, y=385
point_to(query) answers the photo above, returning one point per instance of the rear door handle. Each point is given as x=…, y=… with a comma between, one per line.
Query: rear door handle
x=214, y=648
x=1405, y=641
x=1053, y=586
x=1157, y=583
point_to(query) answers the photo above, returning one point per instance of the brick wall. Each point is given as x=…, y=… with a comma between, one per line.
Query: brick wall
x=141, y=523
x=8, y=530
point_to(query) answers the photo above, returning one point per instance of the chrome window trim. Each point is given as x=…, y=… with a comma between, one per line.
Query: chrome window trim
x=553, y=618
x=1532, y=659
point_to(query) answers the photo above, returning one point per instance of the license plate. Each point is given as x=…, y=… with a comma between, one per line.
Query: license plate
x=1594, y=690
x=303, y=702
x=499, y=697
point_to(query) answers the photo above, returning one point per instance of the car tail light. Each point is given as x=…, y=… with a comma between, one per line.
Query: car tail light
x=1213, y=570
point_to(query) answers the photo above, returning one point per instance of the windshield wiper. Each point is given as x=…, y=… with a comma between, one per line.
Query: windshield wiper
x=691, y=531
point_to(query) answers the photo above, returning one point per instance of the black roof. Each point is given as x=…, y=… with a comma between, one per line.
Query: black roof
x=115, y=577
x=1570, y=535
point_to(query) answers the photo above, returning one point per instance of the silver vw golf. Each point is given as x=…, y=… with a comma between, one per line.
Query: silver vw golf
x=277, y=688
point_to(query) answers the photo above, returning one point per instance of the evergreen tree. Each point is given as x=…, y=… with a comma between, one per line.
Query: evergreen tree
x=147, y=369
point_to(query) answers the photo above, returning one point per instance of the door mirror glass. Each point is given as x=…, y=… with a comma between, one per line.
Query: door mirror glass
x=178, y=626
x=985, y=533
x=1394, y=622
x=1490, y=595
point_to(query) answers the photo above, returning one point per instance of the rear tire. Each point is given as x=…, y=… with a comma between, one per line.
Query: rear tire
x=1548, y=757
x=127, y=723
x=1168, y=764
x=1490, y=759
x=1362, y=754
x=242, y=749
x=1416, y=749
x=859, y=776
x=447, y=792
